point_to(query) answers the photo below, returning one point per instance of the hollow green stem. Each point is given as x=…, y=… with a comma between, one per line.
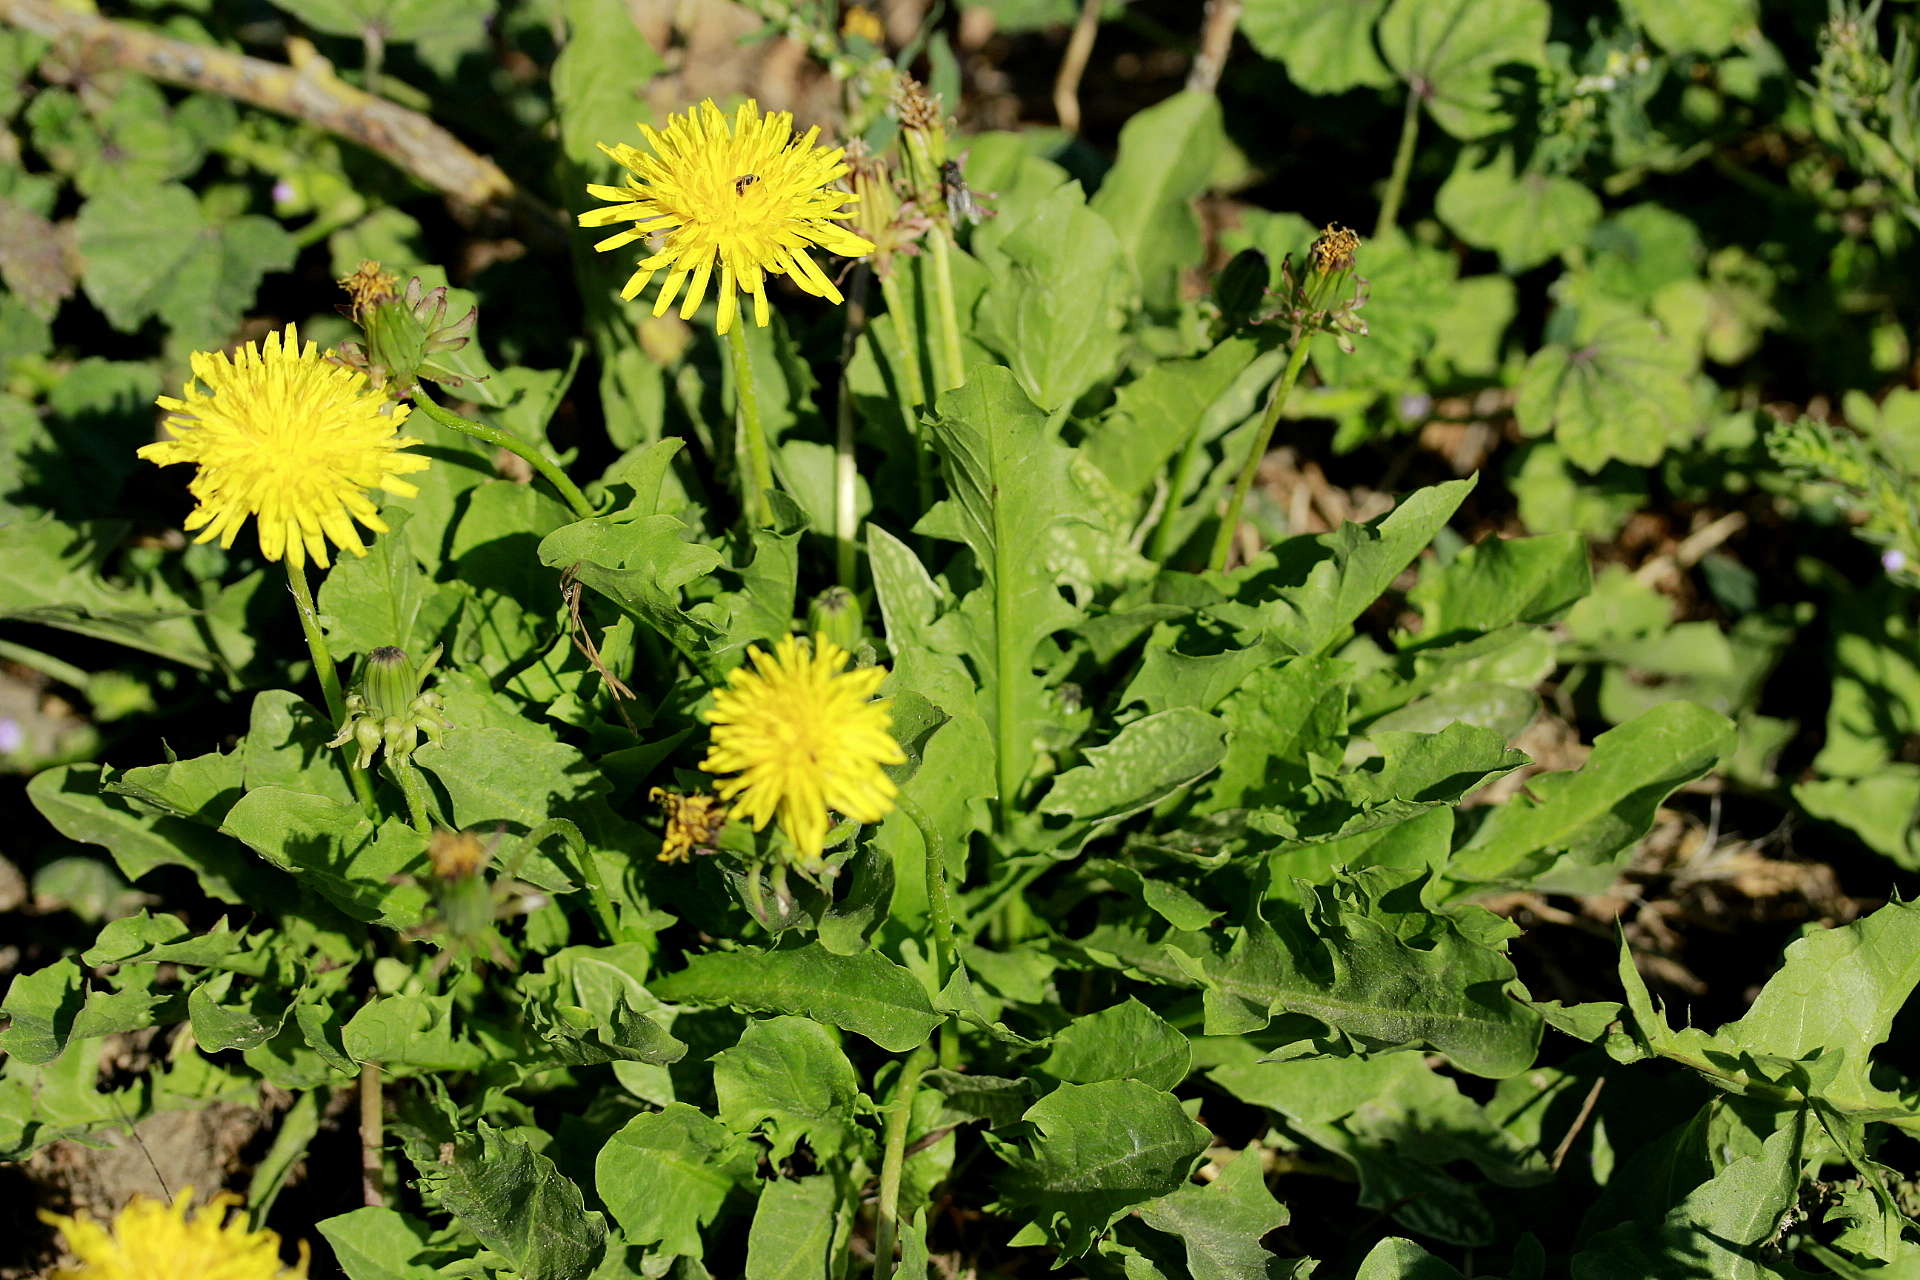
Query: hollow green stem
x=758, y=478
x=949, y=364
x=56, y=669
x=845, y=544
x=939, y=914
x=1402, y=163
x=1230, y=522
x=523, y=449
x=414, y=788
x=909, y=384
x=893, y=1159
x=329, y=676
x=1162, y=545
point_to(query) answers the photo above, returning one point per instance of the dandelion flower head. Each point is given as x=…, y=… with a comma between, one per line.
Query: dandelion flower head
x=693, y=822
x=152, y=1240
x=282, y=435
x=742, y=196
x=801, y=735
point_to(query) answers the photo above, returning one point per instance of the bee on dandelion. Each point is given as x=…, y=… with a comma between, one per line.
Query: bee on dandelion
x=153, y=1240
x=278, y=434
x=802, y=738
x=743, y=197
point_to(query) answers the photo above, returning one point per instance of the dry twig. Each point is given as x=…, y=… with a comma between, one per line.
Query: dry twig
x=1216, y=38
x=307, y=90
x=1073, y=65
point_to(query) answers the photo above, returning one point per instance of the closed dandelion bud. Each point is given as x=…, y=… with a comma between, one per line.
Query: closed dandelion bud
x=879, y=216
x=390, y=709
x=835, y=614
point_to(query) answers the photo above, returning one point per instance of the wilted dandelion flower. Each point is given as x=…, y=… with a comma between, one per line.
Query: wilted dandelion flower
x=693, y=822
x=152, y=1240
x=744, y=196
x=802, y=735
x=279, y=434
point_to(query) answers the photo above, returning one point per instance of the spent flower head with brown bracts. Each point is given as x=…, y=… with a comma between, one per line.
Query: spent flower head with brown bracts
x=741, y=196
x=153, y=1240
x=1325, y=297
x=803, y=738
x=278, y=433
x=406, y=332
x=694, y=823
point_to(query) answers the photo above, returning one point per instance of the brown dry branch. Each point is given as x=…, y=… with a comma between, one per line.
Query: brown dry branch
x=1073, y=65
x=1216, y=38
x=307, y=90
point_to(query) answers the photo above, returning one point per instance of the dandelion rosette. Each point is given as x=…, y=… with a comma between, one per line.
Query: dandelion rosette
x=278, y=433
x=744, y=196
x=802, y=735
x=152, y=1240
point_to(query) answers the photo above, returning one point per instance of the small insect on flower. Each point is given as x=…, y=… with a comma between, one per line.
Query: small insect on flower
x=961, y=203
x=277, y=433
x=741, y=195
x=802, y=737
x=152, y=1240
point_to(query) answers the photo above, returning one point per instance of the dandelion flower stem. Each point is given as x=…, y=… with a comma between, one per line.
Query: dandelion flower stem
x=908, y=378
x=1402, y=163
x=373, y=1173
x=414, y=788
x=328, y=673
x=949, y=364
x=845, y=534
x=893, y=1159
x=524, y=449
x=1230, y=522
x=758, y=478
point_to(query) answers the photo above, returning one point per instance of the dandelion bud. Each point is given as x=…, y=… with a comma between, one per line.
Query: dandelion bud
x=835, y=614
x=390, y=709
x=923, y=136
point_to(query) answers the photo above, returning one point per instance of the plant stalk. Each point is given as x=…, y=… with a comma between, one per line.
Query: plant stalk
x=909, y=384
x=329, y=676
x=949, y=364
x=846, y=546
x=759, y=475
x=1230, y=522
x=55, y=669
x=414, y=788
x=523, y=449
x=939, y=914
x=373, y=1174
x=893, y=1159
x=1402, y=163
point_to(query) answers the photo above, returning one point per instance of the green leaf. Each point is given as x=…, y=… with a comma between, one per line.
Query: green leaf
x=1155, y=415
x=52, y=1007
x=597, y=77
x=52, y=573
x=1566, y=832
x=504, y=775
x=1453, y=52
x=1396, y=1258
x=1095, y=1151
x=332, y=845
x=409, y=1035
x=665, y=1175
x=515, y=1201
x=644, y=566
x=1126, y=1042
x=1499, y=582
x=1352, y=964
x=261, y=1011
x=792, y=1233
x=1222, y=1222
x=396, y=21
x=1616, y=388
x=1307, y=590
x=1526, y=218
x=141, y=838
x=378, y=1244
x=1707, y=27
x=1147, y=761
x=789, y=1074
x=384, y=598
x=1013, y=492
x=1879, y=809
x=153, y=251
x=1286, y=726
x=864, y=993
x=1326, y=48
x=1058, y=297
x=1166, y=160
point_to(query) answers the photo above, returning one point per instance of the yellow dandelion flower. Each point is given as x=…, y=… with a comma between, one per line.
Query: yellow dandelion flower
x=280, y=434
x=802, y=736
x=151, y=1240
x=862, y=22
x=744, y=195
